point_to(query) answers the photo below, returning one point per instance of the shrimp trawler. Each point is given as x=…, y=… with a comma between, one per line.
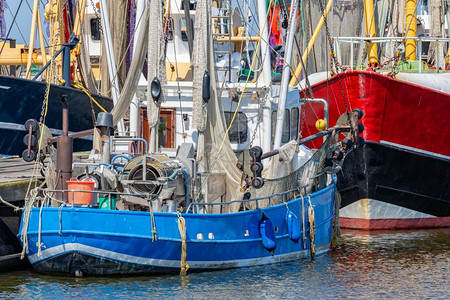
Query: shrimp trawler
x=397, y=73
x=233, y=193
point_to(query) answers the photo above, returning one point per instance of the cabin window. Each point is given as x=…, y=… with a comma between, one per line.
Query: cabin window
x=95, y=29
x=238, y=131
x=183, y=29
x=294, y=124
x=286, y=127
x=192, y=5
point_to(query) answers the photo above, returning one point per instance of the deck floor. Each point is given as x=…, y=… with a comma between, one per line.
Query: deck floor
x=16, y=169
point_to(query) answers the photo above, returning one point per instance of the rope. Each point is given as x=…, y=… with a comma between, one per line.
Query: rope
x=312, y=229
x=60, y=218
x=152, y=221
x=39, y=243
x=16, y=208
x=26, y=219
x=79, y=86
x=182, y=229
x=336, y=228
x=303, y=224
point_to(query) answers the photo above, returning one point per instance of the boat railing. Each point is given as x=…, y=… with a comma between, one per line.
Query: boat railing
x=195, y=207
x=421, y=42
x=209, y=207
x=49, y=194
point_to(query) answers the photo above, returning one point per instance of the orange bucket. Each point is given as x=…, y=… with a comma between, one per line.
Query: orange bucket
x=80, y=198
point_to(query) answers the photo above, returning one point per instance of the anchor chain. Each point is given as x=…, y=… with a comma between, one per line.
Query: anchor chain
x=337, y=65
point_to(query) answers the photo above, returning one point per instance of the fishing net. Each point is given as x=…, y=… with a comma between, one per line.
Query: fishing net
x=156, y=68
x=120, y=109
x=307, y=179
x=216, y=159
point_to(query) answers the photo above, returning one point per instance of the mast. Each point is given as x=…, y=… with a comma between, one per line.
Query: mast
x=265, y=78
x=285, y=75
x=112, y=69
x=411, y=29
x=35, y=19
x=369, y=17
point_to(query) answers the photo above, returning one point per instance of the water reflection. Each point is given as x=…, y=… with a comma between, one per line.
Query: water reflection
x=364, y=265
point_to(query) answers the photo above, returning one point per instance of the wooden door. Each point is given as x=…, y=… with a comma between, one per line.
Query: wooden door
x=166, y=127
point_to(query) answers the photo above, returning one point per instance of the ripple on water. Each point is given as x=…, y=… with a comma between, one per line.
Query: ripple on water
x=377, y=265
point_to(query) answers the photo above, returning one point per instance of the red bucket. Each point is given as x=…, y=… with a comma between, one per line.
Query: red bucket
x=80, y=198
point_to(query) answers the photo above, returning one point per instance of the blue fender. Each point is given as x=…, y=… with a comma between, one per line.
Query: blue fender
x=293, y=226
x=267, y=234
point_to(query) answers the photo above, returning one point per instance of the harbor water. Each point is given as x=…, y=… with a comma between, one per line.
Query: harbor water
x=376, y=265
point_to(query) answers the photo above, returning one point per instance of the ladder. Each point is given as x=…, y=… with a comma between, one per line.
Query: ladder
x=222, y=30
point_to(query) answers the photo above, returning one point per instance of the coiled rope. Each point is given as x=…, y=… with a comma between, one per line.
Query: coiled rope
x=312, y=228
x=182, y=229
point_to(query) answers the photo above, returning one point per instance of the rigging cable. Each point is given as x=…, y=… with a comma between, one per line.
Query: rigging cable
x=9, y=31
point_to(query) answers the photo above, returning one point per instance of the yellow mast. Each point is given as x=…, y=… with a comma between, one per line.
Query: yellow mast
x=311, y=43
x=411, y=29
x=35, y=19
x=369, y=18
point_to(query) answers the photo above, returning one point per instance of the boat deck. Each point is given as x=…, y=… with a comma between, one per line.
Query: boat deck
x=15, y=169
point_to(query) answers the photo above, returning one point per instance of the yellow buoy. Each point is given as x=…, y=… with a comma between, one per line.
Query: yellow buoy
x=321, y=124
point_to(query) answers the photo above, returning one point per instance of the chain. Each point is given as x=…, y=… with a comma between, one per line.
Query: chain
x=337, y=65
x=100, y=28
x=260, y=115
x=394, y=59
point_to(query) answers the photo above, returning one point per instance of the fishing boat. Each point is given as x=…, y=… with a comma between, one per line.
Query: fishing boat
x=391, y=182
x=136, y=206
x=24, y=97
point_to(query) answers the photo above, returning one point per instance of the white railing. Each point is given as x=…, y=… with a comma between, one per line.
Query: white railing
x=338, y=41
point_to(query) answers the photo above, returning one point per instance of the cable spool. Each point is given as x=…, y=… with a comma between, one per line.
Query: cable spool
x=157, y=170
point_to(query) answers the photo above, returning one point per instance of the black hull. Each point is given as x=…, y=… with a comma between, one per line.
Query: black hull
x=82, y=264
x=412, y=180
x=22, y=99
x=10, y=247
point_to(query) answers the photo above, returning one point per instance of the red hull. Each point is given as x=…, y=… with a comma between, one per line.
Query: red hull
x=394, y=111
x=398, y=117
x=390, y=224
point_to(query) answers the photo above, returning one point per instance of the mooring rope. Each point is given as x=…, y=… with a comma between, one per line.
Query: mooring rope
x=336, y=227
x=312, y=229
x=152, y=221
x=182, y=229
x=26, y=219
x=303, y=224
x=39, y=243
x=16, y=208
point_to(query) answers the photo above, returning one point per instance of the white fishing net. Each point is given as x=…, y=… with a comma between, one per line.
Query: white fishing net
x=129, y=88
x=156, y=68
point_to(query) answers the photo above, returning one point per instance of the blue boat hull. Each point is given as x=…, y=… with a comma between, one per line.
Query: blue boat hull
x=108, y=242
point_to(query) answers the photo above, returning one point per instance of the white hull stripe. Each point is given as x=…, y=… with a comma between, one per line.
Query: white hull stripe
x=19, y=127
x=375, y=209
x=76, y=247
